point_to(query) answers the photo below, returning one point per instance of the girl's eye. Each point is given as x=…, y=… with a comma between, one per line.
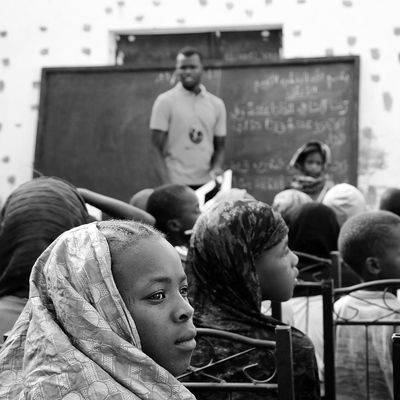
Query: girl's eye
x=184, y=291
x=157, y=296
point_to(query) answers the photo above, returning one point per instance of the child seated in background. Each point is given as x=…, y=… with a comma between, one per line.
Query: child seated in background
x=346, y=201
x=311, y=161
x=315, y=232
x=238, y=257
x=175, y=208
x=34, y=215
x=288, y=202
x=107, y=317
x=370, y=244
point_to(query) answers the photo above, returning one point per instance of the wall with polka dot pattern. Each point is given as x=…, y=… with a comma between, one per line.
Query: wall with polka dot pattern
x=48, y=33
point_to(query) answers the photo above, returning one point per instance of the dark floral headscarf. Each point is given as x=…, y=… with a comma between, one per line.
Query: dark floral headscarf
x=226, y=294
x=224, y=245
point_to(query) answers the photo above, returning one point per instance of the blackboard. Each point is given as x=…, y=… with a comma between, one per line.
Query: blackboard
x=93, y=122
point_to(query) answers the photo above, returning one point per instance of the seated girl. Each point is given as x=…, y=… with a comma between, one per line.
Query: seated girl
x=238, y=257
x=107, y=317
x=310, y=162
x=34, y=215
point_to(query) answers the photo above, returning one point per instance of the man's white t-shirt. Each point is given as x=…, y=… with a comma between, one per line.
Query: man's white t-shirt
x=191, y=121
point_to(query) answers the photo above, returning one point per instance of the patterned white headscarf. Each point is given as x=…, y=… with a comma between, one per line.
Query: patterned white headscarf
x=75, y=338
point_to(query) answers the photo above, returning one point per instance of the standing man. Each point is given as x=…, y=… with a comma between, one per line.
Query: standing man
x=188, y=126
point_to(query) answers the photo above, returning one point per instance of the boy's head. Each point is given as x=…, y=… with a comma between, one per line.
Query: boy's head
x=176, y=209
x=312, y=158
x=140, y=198
x=370, y=244
x=390, y=200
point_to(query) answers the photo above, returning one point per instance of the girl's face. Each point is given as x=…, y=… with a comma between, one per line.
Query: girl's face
x=190, y=210
x=155, y=291
x=277, y=272
x=313, y=164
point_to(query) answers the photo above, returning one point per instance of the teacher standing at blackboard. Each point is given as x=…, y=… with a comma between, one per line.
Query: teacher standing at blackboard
x=188, y=126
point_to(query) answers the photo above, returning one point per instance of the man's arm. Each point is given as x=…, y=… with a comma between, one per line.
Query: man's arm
x=158, y=139
x=217, y=159
x=218, y=156
x=115, y=208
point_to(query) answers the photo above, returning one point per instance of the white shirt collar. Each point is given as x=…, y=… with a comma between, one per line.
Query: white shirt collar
x=202, y=92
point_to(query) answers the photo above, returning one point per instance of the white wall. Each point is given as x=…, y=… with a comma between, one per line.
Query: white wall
x=46, y=33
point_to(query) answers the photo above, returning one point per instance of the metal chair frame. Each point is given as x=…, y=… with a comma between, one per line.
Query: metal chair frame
x=282, y=349
x=329, y=295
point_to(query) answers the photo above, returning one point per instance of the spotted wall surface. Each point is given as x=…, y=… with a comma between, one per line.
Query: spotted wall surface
x=45, y=33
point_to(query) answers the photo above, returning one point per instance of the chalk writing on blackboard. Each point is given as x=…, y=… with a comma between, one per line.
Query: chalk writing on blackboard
x=284, y=126
x=283, y=108
x=309, y=81
x=245, y=166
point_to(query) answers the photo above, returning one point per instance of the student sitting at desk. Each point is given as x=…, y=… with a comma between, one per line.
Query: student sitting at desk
x=370, y=244
x=33, y=216
x=239, y=256
x=310, y=162
x=175, y=209
x=107, y=317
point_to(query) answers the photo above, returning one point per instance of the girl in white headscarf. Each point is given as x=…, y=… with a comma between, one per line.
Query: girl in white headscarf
x=107, y=317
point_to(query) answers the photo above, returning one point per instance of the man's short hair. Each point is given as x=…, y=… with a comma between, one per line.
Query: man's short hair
x=390, y=200
x=366, y=235
x=188, y=51
x=165, y=204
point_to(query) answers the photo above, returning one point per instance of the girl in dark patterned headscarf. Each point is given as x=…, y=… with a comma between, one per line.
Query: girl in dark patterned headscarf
x=238, y=257
x=34, y=215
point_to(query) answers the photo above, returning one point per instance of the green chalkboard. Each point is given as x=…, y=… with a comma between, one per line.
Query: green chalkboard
x=93, y=122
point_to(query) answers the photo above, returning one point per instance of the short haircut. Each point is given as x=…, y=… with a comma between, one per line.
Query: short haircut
x=390, y=200
x=188, y=51
x=366, y=235
x=165, y=203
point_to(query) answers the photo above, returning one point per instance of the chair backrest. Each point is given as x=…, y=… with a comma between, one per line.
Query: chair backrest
x=396, y=365
x=325, y=268
x=281, y=381
x=316, y=269
x=365, y=306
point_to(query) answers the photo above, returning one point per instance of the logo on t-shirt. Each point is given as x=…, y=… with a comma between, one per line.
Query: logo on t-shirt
x=196, y=136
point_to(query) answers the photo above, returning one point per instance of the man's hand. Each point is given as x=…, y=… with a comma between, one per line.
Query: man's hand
x=216, y=173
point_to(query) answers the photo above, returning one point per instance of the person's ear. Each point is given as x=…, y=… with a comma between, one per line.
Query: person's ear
x=372, y=266
x=174, y=225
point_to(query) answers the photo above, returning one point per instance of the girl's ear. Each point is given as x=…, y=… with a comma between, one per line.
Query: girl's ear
x=174, y=225
x=372, y=266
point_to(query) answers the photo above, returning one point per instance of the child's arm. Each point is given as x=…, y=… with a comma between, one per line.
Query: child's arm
x=116, y=208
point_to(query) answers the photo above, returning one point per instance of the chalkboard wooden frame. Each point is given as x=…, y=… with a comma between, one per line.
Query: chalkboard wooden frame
x=41, y=152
